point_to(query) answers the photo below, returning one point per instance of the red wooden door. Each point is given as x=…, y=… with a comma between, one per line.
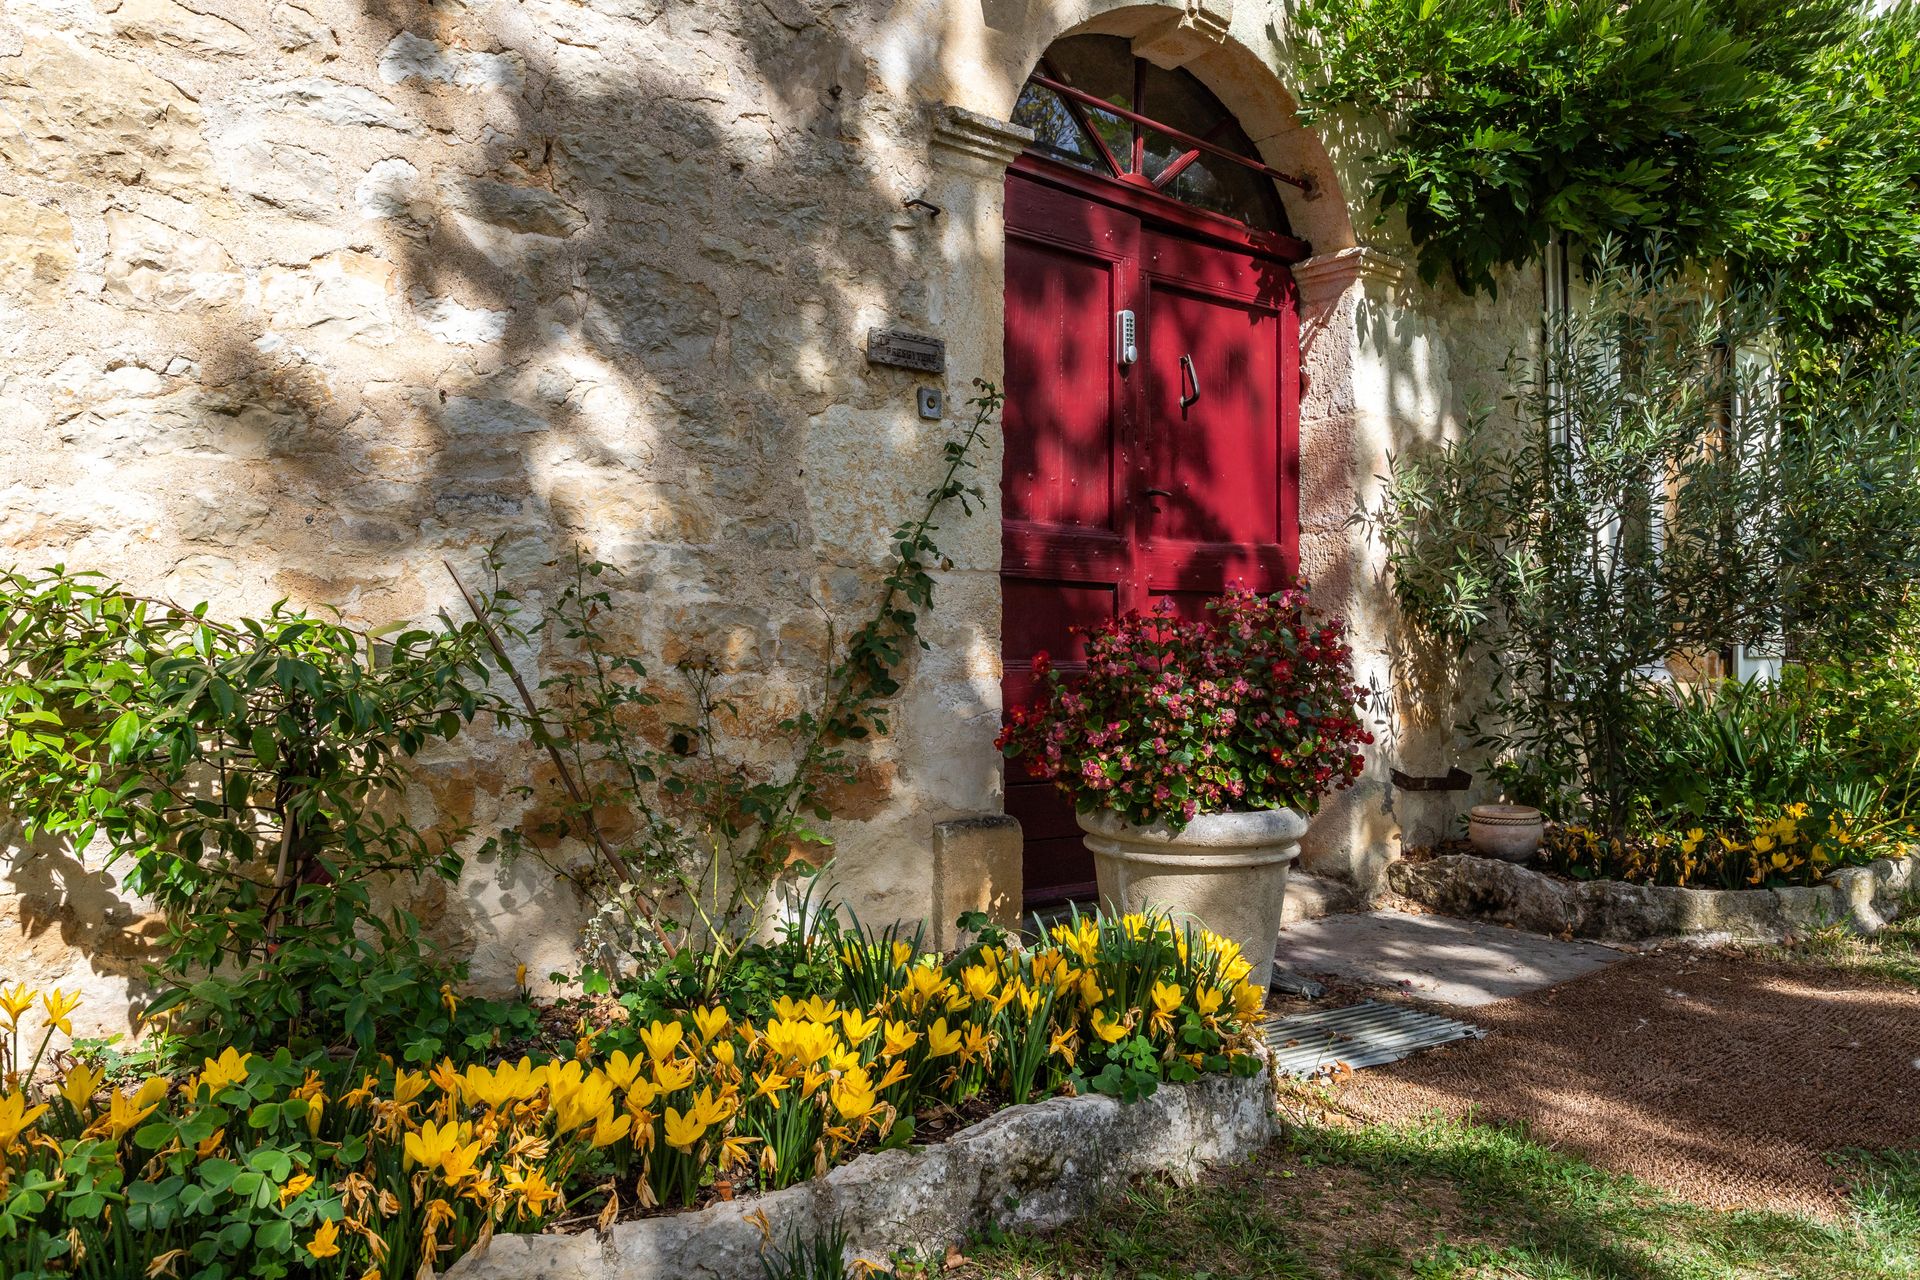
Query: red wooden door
x=1127, y=483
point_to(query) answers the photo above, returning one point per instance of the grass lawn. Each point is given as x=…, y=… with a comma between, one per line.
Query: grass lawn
x=1456, y=1200
x=1445, y=1198
x=1893, y=953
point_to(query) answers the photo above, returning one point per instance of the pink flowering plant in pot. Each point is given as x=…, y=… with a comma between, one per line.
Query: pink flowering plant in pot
x=1193, y=749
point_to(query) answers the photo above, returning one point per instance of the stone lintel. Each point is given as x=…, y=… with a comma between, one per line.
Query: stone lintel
x=1326, y=276
x=960, y=132
x=977, y=863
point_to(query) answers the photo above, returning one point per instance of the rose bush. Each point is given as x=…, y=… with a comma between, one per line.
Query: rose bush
x=1253, y=706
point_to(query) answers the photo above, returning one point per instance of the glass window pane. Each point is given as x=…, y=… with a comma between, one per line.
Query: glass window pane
x=1222, y=186
x=1099, y=65
x=1054, y=129
x=1103, y=67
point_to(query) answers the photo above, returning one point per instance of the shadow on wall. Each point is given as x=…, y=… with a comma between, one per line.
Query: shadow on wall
x=72, y=926
x=553, y=273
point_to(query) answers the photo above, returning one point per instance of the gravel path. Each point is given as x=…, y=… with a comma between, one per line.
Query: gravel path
x=1727, y=1080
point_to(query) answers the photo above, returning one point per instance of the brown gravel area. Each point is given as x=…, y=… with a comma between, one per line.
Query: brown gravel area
x=1724, y=1079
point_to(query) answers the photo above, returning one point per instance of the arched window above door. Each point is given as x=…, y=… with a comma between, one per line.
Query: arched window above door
x=1148, y=138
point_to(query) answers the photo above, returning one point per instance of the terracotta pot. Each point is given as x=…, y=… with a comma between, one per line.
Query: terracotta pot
x=1507, y=831
x=1223, y=871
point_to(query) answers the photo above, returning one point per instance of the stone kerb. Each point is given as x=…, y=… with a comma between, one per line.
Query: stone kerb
x=1864, y=899
x=1031, y=1167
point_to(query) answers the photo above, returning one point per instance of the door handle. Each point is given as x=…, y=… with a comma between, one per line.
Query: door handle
x=1159, y=493
x=1188, y=377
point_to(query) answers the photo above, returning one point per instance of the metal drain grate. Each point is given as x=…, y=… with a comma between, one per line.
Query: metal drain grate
x=1368, y=1034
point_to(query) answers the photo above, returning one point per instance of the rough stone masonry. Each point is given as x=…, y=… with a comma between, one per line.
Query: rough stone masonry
x=298, y=297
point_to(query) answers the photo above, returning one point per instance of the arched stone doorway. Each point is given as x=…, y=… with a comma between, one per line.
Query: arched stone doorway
x=1350, y=301
x=1152, y=378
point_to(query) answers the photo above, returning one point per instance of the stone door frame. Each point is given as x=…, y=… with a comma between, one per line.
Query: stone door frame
x=1346, y=290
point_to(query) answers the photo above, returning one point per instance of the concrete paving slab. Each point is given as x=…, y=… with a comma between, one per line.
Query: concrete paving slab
x=1438, y=958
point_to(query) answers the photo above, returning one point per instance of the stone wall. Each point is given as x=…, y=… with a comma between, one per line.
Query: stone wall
x=298, y=297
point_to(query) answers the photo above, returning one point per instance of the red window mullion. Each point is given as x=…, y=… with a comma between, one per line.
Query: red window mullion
x=1140, y=109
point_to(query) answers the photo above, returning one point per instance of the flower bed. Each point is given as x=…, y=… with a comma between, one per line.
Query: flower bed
x=1794, y=847
x=1027, y=1168
x=1863, y=898
x=268, y=1167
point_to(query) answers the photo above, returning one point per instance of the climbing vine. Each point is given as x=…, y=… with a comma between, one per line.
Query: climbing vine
x=687, y=833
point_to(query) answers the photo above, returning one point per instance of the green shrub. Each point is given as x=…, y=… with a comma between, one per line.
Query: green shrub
x=246, y=773
x=1626, y=515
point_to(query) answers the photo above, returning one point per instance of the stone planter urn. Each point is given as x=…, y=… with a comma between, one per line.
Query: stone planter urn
x=1223, y=871
x=1510, y=832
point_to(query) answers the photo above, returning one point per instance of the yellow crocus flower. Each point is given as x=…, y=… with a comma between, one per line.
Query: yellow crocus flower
x=683, y=1130
x=457, y=1163
x=293, y=1188
x=853, y=1096
x=671, y=1077
x=858, y=1026
x=799, y=1043
x=16, y=1000
x=609, y=1129
x=80, y=1085
x=57, y=1004
x=733, y=1151
x=314, y=1092
x=710, y=1109
x=771, y=1086
x=1108, y=1029
x=576, y=1105
x=924, y=984
x=430, y=1146
x=979, y=982
x=446, y=1077
x=661, y=1039
x=122, y=1114
x=407, y=1085
x=710, y=1022
x=622, y=1070
x=325, y=1242
x=1090, y=993
x=900, y=1037
x=940, y=1041
x=15, y=1117
x=531, y=1186
x=229, y=1068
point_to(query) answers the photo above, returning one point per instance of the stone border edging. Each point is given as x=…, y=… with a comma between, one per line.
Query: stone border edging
x=1865, y=899
x=1031, y=1167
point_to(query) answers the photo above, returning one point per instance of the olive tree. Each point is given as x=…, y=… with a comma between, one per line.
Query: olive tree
x=1652, y=492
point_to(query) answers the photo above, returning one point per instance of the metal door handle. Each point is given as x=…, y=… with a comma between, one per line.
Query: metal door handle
x=1188, y=377
x=1159, y=493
